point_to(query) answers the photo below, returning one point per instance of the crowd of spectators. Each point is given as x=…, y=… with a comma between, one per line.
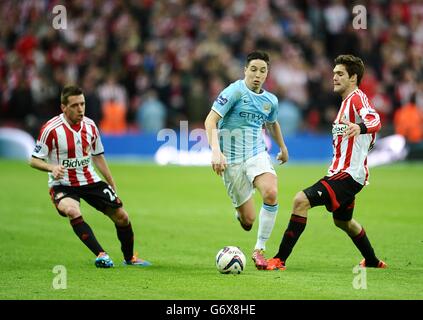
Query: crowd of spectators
x=146, y=64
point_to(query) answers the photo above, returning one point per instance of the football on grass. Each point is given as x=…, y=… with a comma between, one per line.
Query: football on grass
x=230, y=259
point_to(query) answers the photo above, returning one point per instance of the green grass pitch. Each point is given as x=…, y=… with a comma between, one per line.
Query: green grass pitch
x=182, y=217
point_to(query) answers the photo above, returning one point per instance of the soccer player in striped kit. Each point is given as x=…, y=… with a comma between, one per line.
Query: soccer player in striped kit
x=354, y=133
x=67, y=146
x=234, y=130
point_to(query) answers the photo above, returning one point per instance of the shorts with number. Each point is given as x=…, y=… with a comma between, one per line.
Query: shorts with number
x=238, y=178
x=99, y=195
x=337, y=193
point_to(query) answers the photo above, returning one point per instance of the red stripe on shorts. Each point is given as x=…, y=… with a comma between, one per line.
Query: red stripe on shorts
x=332, y=195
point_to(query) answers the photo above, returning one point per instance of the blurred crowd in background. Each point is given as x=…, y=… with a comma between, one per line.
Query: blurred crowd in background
x=145, y=65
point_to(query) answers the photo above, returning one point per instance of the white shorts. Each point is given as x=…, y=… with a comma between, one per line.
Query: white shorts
x=238, y=178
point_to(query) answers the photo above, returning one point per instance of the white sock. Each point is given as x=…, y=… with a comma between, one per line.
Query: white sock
x=267, y=218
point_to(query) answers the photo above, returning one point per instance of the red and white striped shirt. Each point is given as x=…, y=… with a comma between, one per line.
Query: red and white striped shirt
x=350, y=154
x=58, y=143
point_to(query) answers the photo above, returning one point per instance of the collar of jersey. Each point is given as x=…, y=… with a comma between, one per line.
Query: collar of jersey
x=68, y=125
x=355, y=90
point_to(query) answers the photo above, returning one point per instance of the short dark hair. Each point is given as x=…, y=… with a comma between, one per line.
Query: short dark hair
x=69, y=90
x=353, y=65
x=261, y=55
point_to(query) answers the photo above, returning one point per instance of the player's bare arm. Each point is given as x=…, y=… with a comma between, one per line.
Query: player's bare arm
x=101, y=164
x=58, y=171
x=218, y=160
x=275, y=131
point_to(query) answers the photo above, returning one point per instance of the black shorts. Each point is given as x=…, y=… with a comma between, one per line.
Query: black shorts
x=98, y=195
x=337, y=193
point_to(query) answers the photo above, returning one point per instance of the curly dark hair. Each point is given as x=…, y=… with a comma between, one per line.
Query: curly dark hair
x=353, y=65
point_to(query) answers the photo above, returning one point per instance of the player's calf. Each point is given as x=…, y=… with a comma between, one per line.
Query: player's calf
x=245, y=226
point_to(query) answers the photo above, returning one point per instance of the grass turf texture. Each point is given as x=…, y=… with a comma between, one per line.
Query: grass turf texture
x=182, y=217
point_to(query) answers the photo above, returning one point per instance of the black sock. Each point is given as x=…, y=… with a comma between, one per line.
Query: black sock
x=84, y=232
x=363, y=244
x=296, y=226
x=126, y=238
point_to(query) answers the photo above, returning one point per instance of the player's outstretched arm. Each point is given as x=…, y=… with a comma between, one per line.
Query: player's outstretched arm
x=101, y=164
x=58, y=171
x=275, y=131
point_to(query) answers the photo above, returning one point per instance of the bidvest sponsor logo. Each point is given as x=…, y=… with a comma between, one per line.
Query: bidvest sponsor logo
x=338, y=129
x=76, y=162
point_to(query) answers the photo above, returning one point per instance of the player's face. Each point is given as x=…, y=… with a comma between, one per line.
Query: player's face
x=75, y=109
x=342, y=82
x=255, y=74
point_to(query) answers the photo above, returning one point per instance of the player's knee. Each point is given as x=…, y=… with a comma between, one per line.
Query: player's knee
x=120, y=217
x=270, y=196
x=341, y=224
x=301, y=201
x=71, y=212
x=124, y=220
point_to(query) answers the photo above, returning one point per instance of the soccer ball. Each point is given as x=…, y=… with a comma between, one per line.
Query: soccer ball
x=230, y=259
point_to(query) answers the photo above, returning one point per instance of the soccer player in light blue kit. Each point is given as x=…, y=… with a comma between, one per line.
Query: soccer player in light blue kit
x=234, y=131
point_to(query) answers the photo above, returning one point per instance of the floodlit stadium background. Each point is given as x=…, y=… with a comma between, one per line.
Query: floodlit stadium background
x=148, y=65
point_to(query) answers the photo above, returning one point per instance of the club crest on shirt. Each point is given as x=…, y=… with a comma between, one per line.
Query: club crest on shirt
x=267, y=107
x=59, y=195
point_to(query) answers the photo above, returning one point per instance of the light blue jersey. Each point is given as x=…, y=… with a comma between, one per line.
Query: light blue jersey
x=243, y=114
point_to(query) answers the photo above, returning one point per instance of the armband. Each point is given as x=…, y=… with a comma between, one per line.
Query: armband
x=363, y=128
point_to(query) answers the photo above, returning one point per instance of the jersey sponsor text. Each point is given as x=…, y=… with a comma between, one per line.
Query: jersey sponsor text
x=76, y=162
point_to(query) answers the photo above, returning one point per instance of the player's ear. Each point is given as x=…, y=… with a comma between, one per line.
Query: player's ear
x=353, y=78
x=62, y=106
